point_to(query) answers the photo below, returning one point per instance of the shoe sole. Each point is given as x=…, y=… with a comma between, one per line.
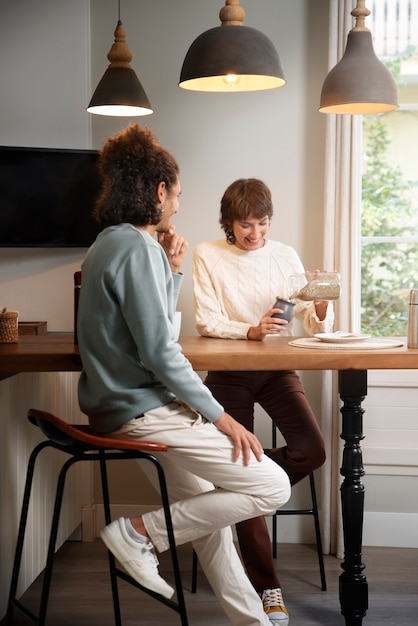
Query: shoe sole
x=279, y=622
x=116, y=549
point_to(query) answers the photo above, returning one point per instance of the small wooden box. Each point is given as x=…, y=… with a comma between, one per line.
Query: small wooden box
x=32, y=328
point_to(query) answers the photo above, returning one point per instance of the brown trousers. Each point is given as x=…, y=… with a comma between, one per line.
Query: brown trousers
x=281, y=395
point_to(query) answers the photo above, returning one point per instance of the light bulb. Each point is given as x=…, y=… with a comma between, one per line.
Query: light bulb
x=231, y=80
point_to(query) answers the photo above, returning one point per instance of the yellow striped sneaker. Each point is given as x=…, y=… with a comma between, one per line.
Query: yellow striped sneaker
x=274, y=606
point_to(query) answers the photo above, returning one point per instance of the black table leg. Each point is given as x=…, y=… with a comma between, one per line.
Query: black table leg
x=353, y=582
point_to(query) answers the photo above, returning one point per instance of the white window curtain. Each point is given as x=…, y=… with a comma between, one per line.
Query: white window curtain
x=341, y=252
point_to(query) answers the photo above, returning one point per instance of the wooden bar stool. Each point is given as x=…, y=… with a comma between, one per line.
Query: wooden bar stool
x=80, y=443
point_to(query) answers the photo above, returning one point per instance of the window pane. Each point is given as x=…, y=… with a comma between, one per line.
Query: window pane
x=389, y=257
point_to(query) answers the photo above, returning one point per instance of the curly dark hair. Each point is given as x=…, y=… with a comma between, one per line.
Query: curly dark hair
x=132, y=163
x=244, y=197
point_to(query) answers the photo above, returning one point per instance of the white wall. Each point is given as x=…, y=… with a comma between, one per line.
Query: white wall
x=45, y=81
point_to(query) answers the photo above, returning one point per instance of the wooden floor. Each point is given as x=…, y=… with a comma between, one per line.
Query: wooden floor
x=81, y=596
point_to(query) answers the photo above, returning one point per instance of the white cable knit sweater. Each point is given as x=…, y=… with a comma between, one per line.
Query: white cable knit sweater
x=234, y=288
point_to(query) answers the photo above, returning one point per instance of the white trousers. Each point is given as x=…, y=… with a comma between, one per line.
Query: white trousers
x=199, y=457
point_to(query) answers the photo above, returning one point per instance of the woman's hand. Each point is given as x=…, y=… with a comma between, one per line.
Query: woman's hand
x=321, y=306
x=244, y=441
x=174, y=246
x=268, y=325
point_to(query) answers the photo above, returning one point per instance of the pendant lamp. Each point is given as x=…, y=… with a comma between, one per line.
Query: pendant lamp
x=360, y=83
x=119, y=92
x=231, y=57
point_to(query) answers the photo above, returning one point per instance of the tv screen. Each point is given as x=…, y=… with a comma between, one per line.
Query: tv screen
x=47, y=197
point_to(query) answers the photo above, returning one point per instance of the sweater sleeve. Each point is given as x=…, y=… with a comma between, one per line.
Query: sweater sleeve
x=311, y=323
x=211, y=317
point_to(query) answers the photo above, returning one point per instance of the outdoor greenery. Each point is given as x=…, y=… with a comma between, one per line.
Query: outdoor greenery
x=389, y=269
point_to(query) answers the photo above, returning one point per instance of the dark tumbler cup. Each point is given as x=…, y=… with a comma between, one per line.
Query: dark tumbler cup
x=286, y=306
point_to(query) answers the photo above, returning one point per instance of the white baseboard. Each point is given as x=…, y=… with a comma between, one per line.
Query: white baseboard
x=390, y=530
x=88, y=522
x=293, y=528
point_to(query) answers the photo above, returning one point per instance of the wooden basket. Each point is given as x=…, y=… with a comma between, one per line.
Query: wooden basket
x=8, y=326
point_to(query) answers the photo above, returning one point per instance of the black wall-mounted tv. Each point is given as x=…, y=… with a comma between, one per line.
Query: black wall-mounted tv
x=47, y=197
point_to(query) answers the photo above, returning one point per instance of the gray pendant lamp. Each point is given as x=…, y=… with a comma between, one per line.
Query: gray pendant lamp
x=360, y=83
x=231, y=57
x=119, y=93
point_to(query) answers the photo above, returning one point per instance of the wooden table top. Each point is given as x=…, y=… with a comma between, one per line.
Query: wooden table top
x=54, y=352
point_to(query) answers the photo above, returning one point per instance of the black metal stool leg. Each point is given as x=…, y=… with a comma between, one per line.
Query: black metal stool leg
x=194, y=572
x=13, y=602
x=171, y=540
x=46, y=584
x=274, y=536
x=112, y=563
x=274, y=527
x=53, y=539
x=318, y=533
x=312, y=511
x=115, y=572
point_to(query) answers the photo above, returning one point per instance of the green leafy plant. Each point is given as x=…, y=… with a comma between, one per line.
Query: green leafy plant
x=389, y=268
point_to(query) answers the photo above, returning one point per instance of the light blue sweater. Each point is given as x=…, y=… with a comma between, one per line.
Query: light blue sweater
x=131, y=363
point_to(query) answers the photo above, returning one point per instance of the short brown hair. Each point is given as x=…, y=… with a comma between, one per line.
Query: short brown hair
x=244, y=197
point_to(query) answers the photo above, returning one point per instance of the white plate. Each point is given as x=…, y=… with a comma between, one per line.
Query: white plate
x=340, y=337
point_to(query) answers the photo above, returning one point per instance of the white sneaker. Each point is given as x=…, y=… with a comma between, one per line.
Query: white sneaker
x=274, y=606
x=138, y=559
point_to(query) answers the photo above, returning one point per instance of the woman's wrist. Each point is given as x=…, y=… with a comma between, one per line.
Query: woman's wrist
x=253, y=334
x=321, y=310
